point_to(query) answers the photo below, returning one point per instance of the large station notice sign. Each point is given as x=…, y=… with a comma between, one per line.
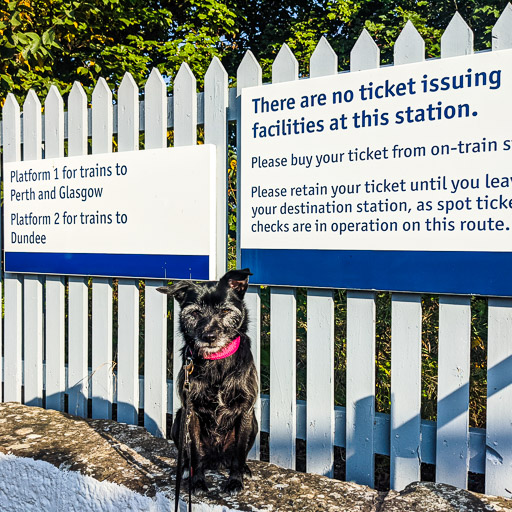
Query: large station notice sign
x=136, y=214
x=398, y=178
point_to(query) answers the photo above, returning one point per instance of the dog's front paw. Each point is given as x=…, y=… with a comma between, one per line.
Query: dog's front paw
x=247, y=471
x=233, y=486
x=199, y=484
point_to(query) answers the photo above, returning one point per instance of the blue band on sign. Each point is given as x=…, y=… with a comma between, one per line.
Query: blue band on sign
x=158, y=266
x=484, y=273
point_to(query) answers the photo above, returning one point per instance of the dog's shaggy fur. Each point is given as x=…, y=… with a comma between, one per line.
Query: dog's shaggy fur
x=222, y=424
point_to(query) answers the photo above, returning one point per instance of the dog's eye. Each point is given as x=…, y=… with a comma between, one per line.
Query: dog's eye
x=226, y=311
x=195, y=314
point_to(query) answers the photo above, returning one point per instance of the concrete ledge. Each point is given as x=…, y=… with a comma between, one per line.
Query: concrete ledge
x=122, y=467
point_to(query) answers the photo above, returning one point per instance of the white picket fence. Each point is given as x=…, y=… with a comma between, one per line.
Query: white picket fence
x=37, y=309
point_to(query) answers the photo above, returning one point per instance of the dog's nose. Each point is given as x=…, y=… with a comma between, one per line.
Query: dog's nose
x=209, y=337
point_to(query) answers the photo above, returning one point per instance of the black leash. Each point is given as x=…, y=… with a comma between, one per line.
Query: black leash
x=184, y=439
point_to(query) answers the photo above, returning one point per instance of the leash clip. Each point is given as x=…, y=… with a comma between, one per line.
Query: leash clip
x=188, y=368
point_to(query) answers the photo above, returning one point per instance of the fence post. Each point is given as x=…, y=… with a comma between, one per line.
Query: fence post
x=185, y=134
x=502, y=30
x=78, y=298
x=128, y=289
x=249, y=75
x=55, y=285
x=283, y=396
x=155, y=332
x=102, y=362
x=457, y=39
x=498, y=458
x=405, y=447
x=320, y=337
x=452, y=446
x=360, y=409
x=33, y=284
x=216, y=132
x=12, y=282
x=498, y=453
x=320, y=382
x=406, y=341
x=409, y=46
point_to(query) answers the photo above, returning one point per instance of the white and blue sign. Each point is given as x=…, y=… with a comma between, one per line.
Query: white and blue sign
x=392, y=179
x=144, y=214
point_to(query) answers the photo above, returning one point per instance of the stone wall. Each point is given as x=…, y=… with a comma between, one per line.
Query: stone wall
x=122, y=467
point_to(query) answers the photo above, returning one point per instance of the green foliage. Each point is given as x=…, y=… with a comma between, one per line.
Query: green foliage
x=264, y=25
x=60, y=41
x=232, y=208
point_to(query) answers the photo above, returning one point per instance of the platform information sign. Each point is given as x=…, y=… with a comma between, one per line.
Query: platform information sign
x=397, y=178
x=131, y=214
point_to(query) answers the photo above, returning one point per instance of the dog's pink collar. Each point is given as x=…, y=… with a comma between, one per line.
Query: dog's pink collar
x=227, y=351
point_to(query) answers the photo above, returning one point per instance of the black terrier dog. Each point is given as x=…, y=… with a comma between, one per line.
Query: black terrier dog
x=223, y=383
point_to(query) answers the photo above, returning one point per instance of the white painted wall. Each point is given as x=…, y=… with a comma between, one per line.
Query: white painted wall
x=28, y=485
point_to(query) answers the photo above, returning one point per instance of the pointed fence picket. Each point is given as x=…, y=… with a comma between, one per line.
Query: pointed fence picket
x=185, y=134
x=216, y=132
x=249, y=74
x=499, y=399
x=283, y=396
x=320, y=382
x=320, y=337
x=324, y=61
x=499, y=355
x=501, y=32
x=54, y=336
x=155, y=329
x=155, y=359
x=12, y=373
x=360, y=409
x=13, y=338
x=77, y=121
x=185, y=107
x=102, y=362
x=78, y=345
x=452, y=447
x=285, y=67
x=32, y=127
x=403, y=436
x=155, y=111
x=409, y=46
x=457, y=39
x=33, y=285
x=33, y=339
x=128, y=289
x=78, y=290
x=365, y=54
x=405, y=433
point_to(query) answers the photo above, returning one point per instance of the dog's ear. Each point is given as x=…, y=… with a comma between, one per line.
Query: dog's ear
x=238, y=280
x=177, y=290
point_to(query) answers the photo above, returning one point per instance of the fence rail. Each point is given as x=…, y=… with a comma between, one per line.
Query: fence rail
x=380, y=428
x=47, y=317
